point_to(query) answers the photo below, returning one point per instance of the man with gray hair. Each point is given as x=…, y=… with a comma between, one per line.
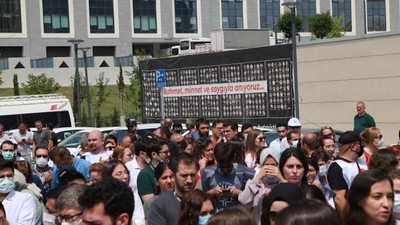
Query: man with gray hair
x=362, y=120
x=190, y=126
x=68, y=207
x=84, y=143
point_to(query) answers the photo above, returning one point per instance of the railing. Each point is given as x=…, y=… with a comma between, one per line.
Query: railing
x=42, y=63
x=124, y=61
x=89, y=62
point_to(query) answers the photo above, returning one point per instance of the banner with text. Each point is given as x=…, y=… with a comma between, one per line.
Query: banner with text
x=216, y=89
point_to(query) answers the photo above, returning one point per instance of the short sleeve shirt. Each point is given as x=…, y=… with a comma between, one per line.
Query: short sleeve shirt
x=41, y=138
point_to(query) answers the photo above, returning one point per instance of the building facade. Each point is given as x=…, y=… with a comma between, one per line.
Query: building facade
x=40, y=29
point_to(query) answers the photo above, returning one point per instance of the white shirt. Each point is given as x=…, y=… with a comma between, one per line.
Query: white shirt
x=20, y=208
x=138, y=214
x=276, y=144
x=95, y=158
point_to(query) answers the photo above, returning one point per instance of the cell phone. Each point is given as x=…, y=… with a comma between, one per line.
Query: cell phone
x=226, y=191
x=23, y=139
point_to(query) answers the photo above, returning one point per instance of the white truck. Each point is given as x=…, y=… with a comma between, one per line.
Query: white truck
x=54, y=108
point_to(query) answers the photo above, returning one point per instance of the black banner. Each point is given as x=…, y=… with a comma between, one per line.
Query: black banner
x=224, y=85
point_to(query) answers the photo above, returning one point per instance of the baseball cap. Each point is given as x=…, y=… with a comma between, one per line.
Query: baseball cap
x=349, y=137
x=269, y=152
x=294, y=122
x=130, y=122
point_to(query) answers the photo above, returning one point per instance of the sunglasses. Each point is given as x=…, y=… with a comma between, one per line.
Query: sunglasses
x=260, y=139
x=42, y=156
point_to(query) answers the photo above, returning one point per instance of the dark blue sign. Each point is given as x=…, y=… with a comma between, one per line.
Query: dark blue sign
x=160, y=78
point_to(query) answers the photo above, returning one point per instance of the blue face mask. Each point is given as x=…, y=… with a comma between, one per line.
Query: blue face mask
x=203, y=219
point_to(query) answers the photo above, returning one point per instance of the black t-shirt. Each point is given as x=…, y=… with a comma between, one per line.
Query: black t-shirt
x=335, y=177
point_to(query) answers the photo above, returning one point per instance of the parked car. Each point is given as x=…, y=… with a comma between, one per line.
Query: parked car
x=142, y=130
x=272, y=135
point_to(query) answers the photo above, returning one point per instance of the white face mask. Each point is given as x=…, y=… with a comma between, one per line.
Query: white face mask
x=322, y=170
x=42, y=162
x=294, y=145
x=48, y=219
x=6, y=185
x=396, y=203
x=380, y=142
x=71, y=223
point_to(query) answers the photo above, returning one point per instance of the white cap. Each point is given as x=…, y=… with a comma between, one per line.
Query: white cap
x=294, y=122
x=269, y=152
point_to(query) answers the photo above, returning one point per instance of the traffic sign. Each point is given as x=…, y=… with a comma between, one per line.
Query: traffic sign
x=160, y=78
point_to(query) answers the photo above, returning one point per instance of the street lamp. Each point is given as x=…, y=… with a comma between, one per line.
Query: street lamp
x=292, y=6
x=84, y=50
x=76, y=42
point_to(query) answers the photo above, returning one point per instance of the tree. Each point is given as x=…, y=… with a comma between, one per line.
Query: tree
x=40, y=84
x=1, y=80
x=16, y=85
x=101, y=96
x=114, y=118
x=321, y=24
x=134, y=88
x=81, y=90
x=337, y=29
x=285, y=24
x=121, y=89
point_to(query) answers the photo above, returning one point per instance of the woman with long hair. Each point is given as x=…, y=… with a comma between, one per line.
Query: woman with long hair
x=370, y=199
x=165, y=180
x=123, y=153
x=116, y=169
x=293, y=166
x=196, y=208
x=204, y=156
x=254, y=143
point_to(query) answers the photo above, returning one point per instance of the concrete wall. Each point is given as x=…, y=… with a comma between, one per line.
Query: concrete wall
x=335, y=74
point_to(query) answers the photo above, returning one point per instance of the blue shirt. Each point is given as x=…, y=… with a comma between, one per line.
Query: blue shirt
x=82, y=166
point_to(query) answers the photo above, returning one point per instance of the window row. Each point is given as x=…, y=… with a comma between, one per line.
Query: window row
x=101, y=15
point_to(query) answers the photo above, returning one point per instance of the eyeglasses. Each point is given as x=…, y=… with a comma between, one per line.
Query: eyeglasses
x=68, y=218
x=261, y=139
x=42, y=156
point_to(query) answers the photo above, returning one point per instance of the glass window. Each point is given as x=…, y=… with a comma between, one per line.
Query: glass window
x=269, y=13
x=10, y=16
x=101, y=16
x=376, y=15
x=186, y=16
x=342, y=7
x=145, y=18
x=55, y=16
x=232, y=14
x=306, y=9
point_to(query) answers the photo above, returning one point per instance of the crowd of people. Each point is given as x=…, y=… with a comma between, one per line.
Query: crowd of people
x=213, y=175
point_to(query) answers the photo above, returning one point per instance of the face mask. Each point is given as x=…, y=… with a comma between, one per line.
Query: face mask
x=380, y=142
x=245, y=136
x=203, y=219
x=294, y=145
x=6, y=185
x=396, y=203
x=41, y=162
x=159, y=160
x=148, y=160
x=322, y=170
x=271, y=179
x=8, y=155
x=48, y=219
x=71, y=223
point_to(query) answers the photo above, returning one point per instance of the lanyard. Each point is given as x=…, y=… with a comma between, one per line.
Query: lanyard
x=263, y=187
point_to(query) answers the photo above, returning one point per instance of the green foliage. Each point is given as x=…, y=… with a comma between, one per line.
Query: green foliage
x=84, y=118
x=115, y=118
x=101, y=94
x=337, y=29
x=16, y=85
x=321, y=24
x=81, y=91
x=40, y=84
x=285, y=24
x=135, y=89
x=1, y=80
